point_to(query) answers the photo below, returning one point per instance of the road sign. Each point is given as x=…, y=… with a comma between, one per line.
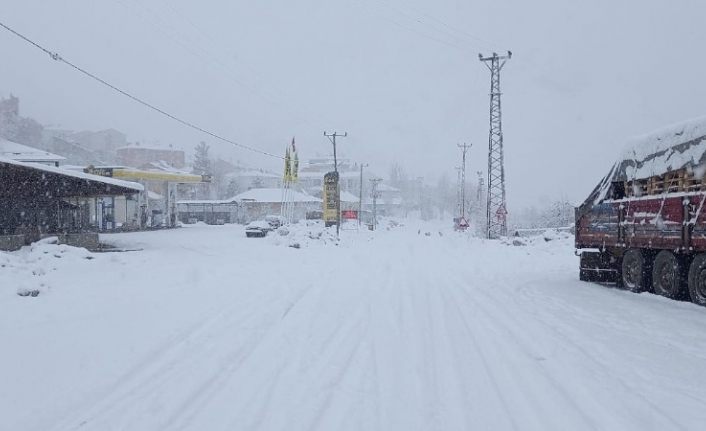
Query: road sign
x=331, y=197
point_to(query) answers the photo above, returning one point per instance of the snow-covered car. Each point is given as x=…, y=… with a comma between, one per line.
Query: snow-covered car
x=257, y=229
x=275, y=221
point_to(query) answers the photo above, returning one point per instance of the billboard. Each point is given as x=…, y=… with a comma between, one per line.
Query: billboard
x=331, y=198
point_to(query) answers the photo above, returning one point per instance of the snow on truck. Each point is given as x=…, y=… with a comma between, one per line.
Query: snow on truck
x=644, y=225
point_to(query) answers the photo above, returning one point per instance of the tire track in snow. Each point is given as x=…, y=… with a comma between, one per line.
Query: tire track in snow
x=481, y=355
x=334, y=350
x=132, y=378
x=146, y=380
x=495, y=322
x=491, y=328
x=222, y=379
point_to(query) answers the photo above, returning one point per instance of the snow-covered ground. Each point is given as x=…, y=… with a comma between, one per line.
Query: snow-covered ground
x=401, y=329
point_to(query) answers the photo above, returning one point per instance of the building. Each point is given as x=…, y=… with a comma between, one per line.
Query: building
x=23, y=153
x=104, y=142
x=158, y=206
x=16, y=128
x=136, y=156
x=311, y=175
x=389, y=200
x=246, y=179
x=76, y=154
x=39, y=200
x=255, y=204
x=208, y=211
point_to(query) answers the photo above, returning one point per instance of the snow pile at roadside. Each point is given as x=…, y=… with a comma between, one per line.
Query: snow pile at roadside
x=303, y=234
x=25, y=270
x=551, y=238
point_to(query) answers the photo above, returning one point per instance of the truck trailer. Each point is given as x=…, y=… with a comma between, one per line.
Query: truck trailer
x=644, y=225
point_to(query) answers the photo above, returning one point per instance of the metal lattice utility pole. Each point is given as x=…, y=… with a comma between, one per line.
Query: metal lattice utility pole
x=464, y=148
x=496, y=213
x=332, y=137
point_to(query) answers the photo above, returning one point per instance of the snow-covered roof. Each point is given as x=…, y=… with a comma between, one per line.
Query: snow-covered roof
x=386, y=188
x=23, y=153
x=272, y=195
x=320, y=174
x=206, y=201
x=164, y=166
x=75, y=174
x=152, y=147
x=253, y=173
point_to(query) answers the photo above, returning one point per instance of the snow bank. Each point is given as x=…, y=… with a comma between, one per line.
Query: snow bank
x=304, y=234
x=551, y=239
x=25, y=270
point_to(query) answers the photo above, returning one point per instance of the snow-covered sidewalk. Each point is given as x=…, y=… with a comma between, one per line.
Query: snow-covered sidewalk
x=394, y=330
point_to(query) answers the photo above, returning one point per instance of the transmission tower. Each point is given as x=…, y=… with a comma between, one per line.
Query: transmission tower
x=496, y=214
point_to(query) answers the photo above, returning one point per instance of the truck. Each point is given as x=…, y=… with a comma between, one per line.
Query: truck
x=644, y=225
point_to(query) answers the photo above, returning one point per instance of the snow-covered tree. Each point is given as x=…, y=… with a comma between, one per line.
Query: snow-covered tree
x=202, y=161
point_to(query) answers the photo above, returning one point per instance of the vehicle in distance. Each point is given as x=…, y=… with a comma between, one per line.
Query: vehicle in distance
x=257, y=229
x=275, y=221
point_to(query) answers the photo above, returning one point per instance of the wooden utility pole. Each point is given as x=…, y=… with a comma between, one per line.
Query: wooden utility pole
x=375, y=182
x=465, y=148
x=360, y=197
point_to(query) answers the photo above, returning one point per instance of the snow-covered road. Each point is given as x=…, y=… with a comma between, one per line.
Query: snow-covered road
x=207, y=330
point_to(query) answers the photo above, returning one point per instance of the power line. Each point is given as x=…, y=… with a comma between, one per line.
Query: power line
x=425, y=19
x=438, y=31
x=269, y=92
x=56, y=57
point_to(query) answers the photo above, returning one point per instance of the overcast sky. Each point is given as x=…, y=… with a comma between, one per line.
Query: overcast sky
x=402, y=77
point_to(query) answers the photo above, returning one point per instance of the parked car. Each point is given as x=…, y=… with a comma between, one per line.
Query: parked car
x=257, y=229
x=275, y=221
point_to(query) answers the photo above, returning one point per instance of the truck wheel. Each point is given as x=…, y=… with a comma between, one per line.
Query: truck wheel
x=668, y=275
x=697, y=280
x=635, y=272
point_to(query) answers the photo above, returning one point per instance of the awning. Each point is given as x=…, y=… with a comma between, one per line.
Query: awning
x=20, y=180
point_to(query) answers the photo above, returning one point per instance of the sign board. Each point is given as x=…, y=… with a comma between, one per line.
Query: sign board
x=331, y=197
x=460, y=223
x=501, y=213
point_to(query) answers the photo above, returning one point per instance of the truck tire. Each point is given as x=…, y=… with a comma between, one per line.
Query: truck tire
x=635, y=271
x=697, y=280
x=668, y=275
